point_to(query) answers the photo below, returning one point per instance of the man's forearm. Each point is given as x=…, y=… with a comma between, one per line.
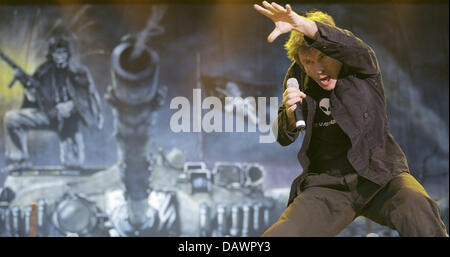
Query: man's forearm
x=306, y=27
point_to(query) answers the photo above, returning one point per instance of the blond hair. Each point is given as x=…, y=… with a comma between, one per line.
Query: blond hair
x=296, y=39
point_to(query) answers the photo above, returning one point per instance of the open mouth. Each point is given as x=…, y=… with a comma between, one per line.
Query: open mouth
x=324, y=80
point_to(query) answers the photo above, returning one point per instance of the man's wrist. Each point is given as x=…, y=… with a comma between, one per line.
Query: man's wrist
x=306, y=27
x=290, y=120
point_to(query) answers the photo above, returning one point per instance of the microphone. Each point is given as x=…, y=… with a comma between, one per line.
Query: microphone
x=300, y=122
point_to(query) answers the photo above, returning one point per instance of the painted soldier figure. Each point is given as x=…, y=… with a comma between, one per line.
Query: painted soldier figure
x=59, y=97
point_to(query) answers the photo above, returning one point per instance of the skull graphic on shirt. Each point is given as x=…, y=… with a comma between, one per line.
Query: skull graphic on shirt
x=324, y=105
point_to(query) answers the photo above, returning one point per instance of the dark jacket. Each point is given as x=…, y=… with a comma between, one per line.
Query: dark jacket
x=358, y=106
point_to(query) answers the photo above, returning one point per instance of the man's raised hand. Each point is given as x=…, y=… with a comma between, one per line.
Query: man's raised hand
x=285, y=18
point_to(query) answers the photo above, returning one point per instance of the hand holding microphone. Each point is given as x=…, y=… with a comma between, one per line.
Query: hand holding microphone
x=292, y=99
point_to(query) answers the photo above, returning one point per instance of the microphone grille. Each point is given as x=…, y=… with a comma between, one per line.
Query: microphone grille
x=292, y=82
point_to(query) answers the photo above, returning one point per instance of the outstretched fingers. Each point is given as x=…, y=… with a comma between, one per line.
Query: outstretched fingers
x=278, y=7
x=269, y=7
x=263, y=11
x=280, y=15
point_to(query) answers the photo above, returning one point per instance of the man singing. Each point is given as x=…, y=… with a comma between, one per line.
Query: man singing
x=352, y=165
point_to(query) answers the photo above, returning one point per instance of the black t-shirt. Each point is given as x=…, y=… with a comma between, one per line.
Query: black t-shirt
x=329, y=144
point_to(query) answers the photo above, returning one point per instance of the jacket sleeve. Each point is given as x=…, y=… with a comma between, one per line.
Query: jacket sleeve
x=342, y=45
x=284, y=136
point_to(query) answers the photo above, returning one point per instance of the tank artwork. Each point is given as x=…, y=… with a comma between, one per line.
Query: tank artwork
x=184, y=199
x=143, y=194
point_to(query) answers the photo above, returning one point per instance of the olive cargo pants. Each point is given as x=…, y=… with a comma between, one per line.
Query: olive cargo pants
x=330, y=202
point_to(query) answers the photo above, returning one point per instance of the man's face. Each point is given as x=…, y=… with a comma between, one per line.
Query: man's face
x=321, y=68
x=61, y=57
